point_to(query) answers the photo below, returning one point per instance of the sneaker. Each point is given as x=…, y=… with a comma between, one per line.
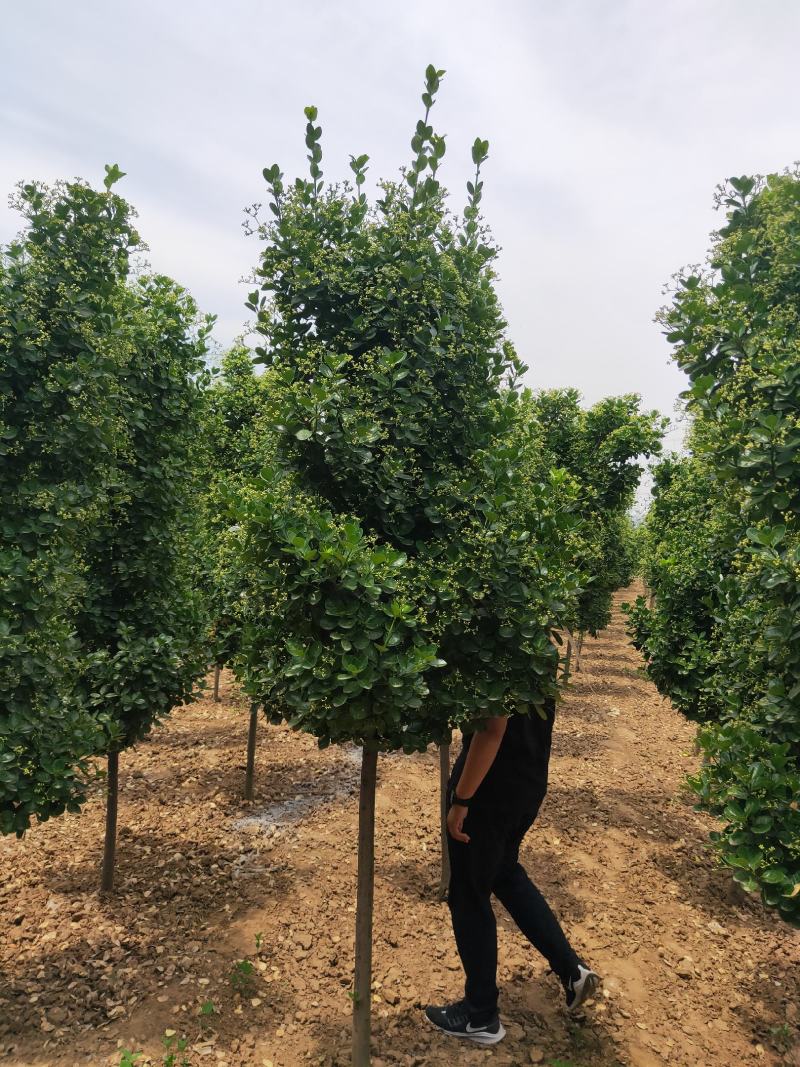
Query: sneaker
x=579, y=987
x=453, y=1019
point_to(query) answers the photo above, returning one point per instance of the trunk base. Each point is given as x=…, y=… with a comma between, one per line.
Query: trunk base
x=249, y=774
x=362, y=985
x=110, y=843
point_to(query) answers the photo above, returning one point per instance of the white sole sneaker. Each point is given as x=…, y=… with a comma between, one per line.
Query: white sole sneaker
x=587, y=985
x=480, y=1037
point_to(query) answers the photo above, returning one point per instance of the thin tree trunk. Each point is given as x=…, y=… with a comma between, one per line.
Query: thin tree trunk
x=579, y=652
x=362, y=985
x=217, y=672
x=110, y=845
x=249, y=773
x=444, y=776
x=567, y=661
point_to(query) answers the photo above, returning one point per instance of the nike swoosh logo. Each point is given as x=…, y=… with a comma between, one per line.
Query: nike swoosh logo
x=475, y=1029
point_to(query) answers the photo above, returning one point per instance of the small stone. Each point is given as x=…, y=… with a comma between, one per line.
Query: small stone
x=535, y=1055
x=685, y=968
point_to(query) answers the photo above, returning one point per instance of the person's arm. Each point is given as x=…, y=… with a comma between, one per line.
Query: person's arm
x=481, y=756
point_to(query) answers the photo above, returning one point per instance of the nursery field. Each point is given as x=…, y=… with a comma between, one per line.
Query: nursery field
x=231, y=927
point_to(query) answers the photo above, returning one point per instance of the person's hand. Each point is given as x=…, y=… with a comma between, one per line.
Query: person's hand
x=455, y=823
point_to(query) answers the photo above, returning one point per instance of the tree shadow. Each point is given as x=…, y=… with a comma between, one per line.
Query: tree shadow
x=174, y=781
x=680, y=850
x=592, y=685
x=405, y=1036
x=418, y=878
x=586, y=744
x=119, y=960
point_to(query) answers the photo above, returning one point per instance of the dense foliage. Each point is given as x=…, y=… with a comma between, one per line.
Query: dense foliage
x=723, y=636
x=686, y=550
x=602, y=448
x=100, y=389
x=141, y=621
x=234, y=453
x=388, y=554
x=60, y=361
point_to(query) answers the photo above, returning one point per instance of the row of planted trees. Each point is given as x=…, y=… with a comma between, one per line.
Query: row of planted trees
x=721, y=634
x=381, y=534
x=101, y=401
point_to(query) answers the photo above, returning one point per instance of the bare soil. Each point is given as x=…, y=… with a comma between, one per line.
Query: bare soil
x=232, y=923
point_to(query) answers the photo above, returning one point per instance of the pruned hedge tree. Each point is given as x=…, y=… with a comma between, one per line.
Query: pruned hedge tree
x=60, y=432
x=142, y=623
x=396, y=584
x=723, y=558
x=101, y=393
x=602, y=447
x=234, y=404
x=234, y=454
x=690, y=533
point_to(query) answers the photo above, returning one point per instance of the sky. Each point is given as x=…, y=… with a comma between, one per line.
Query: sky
x=610, y=124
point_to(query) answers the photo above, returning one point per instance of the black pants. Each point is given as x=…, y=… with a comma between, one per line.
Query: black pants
x=490, y=864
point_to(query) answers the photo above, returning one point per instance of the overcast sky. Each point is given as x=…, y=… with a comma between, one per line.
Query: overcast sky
x=610, y=123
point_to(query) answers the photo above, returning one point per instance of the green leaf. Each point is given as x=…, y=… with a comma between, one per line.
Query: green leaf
x=113, y=175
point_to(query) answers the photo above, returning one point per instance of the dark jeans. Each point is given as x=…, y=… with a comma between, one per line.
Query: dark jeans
x=490, y=864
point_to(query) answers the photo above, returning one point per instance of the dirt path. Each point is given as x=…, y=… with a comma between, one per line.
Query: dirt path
x=696, y=974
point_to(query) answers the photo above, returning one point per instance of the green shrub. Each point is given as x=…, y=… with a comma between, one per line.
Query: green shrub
x=724, y=636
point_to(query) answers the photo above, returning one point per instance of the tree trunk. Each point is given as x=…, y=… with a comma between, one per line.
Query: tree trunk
x=217, y=671
x=251, y=753
x=110, y=845
x=567, y=661
x=362, y=985
x=579, y=652
x=444, y=775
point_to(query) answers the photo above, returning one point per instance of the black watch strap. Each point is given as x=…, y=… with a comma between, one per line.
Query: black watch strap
x=458, y=800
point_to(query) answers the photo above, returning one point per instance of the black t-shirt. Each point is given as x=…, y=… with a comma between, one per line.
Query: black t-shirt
x=518, y=775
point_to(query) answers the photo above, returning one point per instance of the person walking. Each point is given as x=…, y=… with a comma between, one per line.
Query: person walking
x=495, y=791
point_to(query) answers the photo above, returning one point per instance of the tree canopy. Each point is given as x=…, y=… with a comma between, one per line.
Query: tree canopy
x=724, y=540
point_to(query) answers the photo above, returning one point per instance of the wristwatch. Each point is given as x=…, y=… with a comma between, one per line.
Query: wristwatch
x=461, y=803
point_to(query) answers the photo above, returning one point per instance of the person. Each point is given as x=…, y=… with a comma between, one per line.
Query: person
x=495, y=791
